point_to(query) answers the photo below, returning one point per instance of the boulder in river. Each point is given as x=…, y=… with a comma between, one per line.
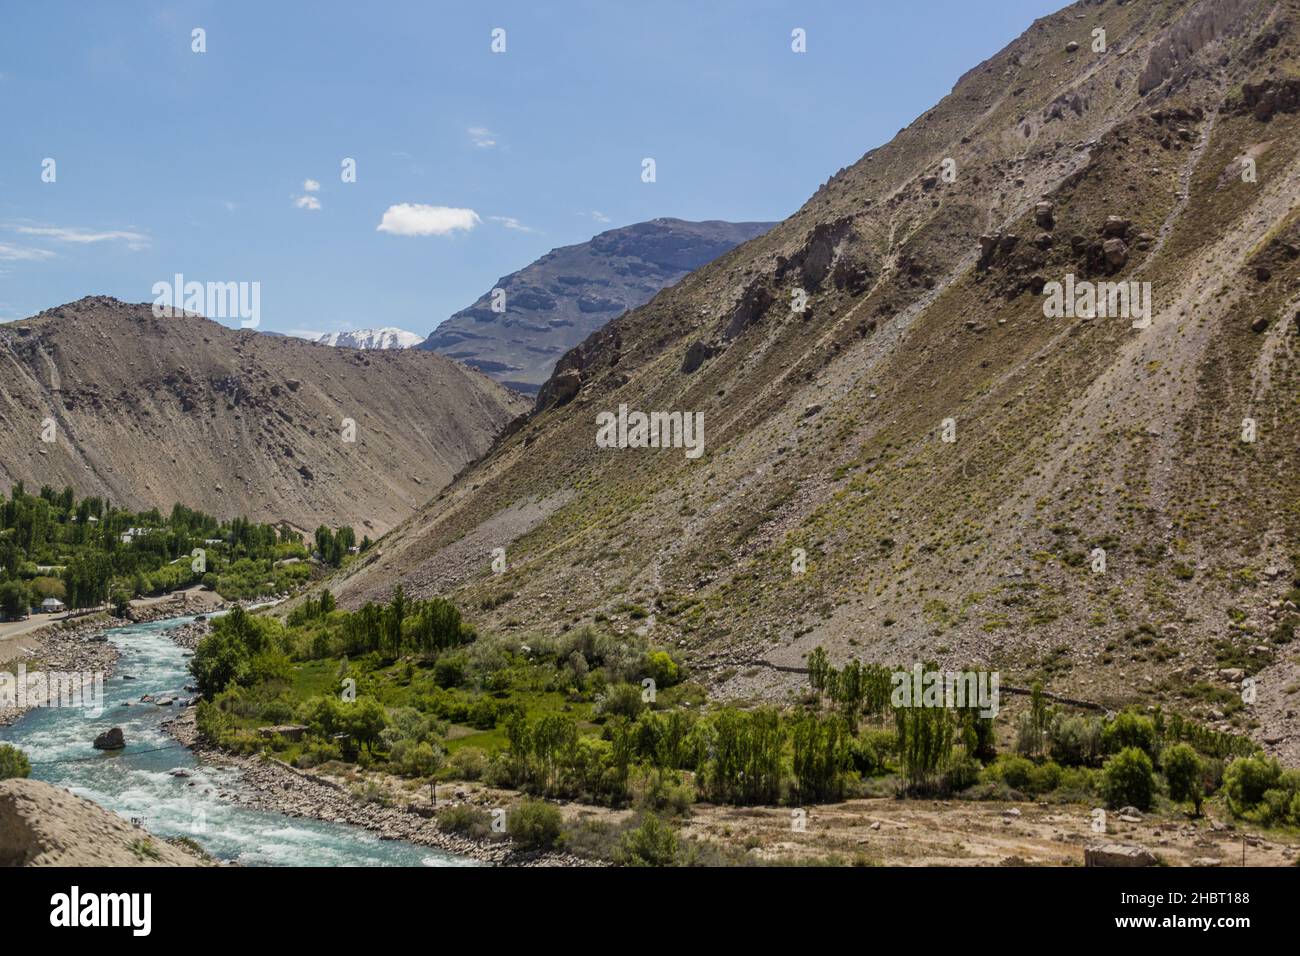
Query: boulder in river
x=111, y=740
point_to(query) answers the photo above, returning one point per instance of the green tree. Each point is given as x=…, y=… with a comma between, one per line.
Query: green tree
x=15, y=600
x=1128, y=729
x=1128, y=779
x=221, y=659
x=364, y=720
x=924, y=741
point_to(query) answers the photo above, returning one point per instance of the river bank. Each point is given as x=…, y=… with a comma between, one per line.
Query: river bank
x=163, y=789
x=273, y=785
x=276, y=786
x=77, y=646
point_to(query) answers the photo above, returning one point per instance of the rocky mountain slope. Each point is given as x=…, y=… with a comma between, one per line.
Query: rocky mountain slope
x=153, y=411
x=1107, y=508
x=41, y=825
x=385, y=338
x=552, y=305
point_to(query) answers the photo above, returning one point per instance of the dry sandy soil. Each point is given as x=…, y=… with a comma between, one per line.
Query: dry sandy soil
x=41, y=825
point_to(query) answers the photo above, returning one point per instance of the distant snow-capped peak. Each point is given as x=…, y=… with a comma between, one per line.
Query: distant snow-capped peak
x=385, y=338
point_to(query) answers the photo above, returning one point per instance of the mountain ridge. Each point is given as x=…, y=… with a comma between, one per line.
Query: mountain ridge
x=517, y=330
x=388, y=337
x=156, y=411
x=825, y=427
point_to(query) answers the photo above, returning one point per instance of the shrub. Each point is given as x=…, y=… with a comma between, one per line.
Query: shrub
x=13, y=763
x=622, y=700
x=1247, y=779
x=449, y=671
x=534, y=824
x=1127, y=779
x=1016, y=772
x=1045, y=778
x=416, y=759
x=653, y=843
x=468, y=821
x=318, y=753
x=1074, y=741
x=1183, y=771
x=660, y=791
x=468, y=763
x=662, y=669
x=962, y=775
x=482, y=713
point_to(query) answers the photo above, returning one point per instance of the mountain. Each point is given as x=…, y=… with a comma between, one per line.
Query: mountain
x=1107, y=509
x=385, y=338
x=154, y=411
x=552, y=305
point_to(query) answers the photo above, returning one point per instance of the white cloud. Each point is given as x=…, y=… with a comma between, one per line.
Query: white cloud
x=307, y=202
x=413, y=219
x=482, y=137
x=510, y=222
x=134, y=240
x=10, y=253
x=599, y=216
x=311, y=186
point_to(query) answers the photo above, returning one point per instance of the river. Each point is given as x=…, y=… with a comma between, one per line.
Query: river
x=138, y=783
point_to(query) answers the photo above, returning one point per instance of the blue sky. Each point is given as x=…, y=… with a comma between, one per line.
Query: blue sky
x=173, y=161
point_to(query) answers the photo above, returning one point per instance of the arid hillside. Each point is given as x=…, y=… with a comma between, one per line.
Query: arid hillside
x=1107, y=504
x=42, y=825
x=147, y=411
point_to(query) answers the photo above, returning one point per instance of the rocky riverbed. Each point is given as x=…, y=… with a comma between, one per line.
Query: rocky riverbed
x=189, y=635
x=67, y=647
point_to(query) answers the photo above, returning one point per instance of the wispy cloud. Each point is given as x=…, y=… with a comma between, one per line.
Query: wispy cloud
x=10, y=253
x=134, y=240
x=311, y=186
x=510, y=222
x=482, y=137
x=307, y=202
x=599, y=216
x=414, y=219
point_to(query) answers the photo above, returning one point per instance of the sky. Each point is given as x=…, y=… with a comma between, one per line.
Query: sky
x=228, y=165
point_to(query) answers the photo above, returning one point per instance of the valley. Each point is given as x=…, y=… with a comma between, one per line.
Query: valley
x=950, y=521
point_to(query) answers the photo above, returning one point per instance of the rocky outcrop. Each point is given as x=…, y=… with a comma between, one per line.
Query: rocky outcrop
x=560, y=389
x=41, y=825
x=1173, y=52
x=1264, y=100
x=697, y=353
x=1118, y=854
